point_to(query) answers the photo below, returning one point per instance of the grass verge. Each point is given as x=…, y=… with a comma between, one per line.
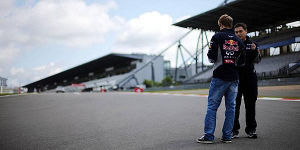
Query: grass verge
x=3, y=94
x=164, y=91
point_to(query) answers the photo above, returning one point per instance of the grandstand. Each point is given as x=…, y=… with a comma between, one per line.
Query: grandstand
x=268, y=26
x=269, y=67
x=278, y=37
x=112, y=71
x=272, y=65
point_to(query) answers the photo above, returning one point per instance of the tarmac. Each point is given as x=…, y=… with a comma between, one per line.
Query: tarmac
x=135, y=121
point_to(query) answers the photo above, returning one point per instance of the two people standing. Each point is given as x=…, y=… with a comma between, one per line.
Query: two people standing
x=228, y=53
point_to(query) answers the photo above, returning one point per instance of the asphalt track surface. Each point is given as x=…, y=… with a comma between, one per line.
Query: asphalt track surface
x=128, y=121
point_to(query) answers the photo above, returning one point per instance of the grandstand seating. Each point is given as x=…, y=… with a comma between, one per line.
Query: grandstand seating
x=108, y=81
x=275, y=63
x=277, y=36
x=296, y=71
x=269, y=66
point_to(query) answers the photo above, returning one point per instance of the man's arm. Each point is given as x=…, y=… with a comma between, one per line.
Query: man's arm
x=256, y=56
x=213, y=50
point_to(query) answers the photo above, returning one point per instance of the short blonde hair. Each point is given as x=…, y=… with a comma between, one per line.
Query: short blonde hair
x=225, y=20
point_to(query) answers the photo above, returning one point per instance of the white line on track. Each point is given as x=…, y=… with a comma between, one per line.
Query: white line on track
x=195, y=95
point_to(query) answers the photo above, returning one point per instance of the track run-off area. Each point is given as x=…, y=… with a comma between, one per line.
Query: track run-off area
x=135, y=121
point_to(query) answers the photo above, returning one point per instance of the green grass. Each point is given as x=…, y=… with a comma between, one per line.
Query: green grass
x=3, y=94
x=163, y=91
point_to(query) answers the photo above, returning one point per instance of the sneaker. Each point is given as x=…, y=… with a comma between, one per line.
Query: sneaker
x=252, y=135
x=204, y=140
x=226, y=140
x=235, y=134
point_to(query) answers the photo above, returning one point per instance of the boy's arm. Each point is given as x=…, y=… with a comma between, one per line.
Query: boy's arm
x=213, y=50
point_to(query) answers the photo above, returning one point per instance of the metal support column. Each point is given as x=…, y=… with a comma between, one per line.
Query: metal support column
x=175, y=78
x=152, y=72
x=185, y=68
x=197, y=52
x=202, y=44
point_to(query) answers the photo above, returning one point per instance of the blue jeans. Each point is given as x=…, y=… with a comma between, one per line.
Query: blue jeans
x=219, y=88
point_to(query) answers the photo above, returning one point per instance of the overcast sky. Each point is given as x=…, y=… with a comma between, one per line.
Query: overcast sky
x=39, y=38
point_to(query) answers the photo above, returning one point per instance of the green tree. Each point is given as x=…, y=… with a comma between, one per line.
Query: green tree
x=148, y=83
x=156, y=84
x=167, y=81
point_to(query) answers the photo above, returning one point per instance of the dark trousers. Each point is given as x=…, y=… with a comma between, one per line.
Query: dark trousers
x=248, y=89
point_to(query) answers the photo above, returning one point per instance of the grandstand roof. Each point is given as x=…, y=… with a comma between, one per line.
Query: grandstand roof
x=257, y=14
x=97, y=65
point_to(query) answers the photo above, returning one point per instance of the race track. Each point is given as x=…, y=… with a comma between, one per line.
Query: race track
x=129, y=121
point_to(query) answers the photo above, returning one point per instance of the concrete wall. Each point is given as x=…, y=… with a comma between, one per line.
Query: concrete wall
x=279, y=81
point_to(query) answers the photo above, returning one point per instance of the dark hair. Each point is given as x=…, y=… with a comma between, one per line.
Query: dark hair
x=243, y=25
x=225, y=20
